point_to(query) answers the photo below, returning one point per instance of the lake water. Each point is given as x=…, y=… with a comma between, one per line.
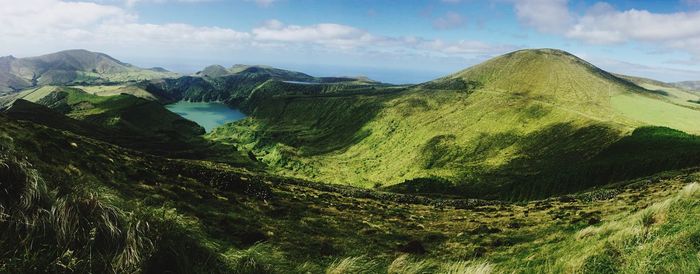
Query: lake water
x=208, y=115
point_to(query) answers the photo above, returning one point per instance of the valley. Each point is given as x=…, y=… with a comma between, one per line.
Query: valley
x=535, y=161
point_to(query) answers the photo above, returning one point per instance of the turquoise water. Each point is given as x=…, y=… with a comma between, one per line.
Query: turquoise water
x=207, y=115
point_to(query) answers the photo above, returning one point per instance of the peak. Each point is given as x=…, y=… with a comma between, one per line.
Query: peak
x=75, y=51
x=159, y=69
x=78, y=52
x=243, y=66
x=213, y=71
x=544, y=52
x=215, y=66
x=539, y=72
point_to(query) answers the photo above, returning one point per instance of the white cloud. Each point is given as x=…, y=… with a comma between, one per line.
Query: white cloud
x=544, y=15
x=450, y=20
x=131, y=3
x=601, y=23
x=324, y=34
x=40, y=26
x=613, y=26
x=34, y=25
x=263, y=3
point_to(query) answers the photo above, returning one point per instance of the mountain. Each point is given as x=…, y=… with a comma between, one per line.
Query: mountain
x=72, y=203
x=235, y=84
x=93, y=180
x=671, y=92
x=69, y=67
x=122, y=119
x=689, y=85
x=526, y=124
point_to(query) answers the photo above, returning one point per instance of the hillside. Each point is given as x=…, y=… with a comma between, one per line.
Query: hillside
x=671, y=92
x=143, y=213
x=502, y=129
x=124, y=120
x=69, y=67
x=235, y=84
x=95, y=180
x=689, y=85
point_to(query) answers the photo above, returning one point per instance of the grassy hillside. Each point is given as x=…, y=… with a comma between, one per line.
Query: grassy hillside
x=69, y=67
x=124, y=119
x=670, y=92
x=234, y=85
x=88, y=206
x=493, y=130
x=693, y=86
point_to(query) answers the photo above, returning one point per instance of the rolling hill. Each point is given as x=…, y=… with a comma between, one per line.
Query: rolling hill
x=71, y=203
x=235, y=84
x=125, y=120
x=689, y=85
x=69, y=67
x=527, y=124
x=94, y=180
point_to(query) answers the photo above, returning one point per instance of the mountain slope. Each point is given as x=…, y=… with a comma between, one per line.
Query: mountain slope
x=670, y=92
x=73, y=204
x=69, y=67
x=689, y=85
x=234, y=85
x=499, y=129
x=124, y=120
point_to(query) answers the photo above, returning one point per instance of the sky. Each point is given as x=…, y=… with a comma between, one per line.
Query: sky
x=397, y=41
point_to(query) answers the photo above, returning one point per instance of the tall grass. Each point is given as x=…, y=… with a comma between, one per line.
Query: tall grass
x=62, y=230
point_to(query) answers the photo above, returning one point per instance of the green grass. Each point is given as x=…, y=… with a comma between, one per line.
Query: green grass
x=492, y=131
x=500, y=129
x=125, y=120
x=647, y=111
x=206, y=217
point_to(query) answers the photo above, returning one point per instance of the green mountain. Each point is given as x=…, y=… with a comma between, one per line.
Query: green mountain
x=671, y=92
x=234, y=85
x=104, y=179
x=689, y=85
x=124, y=120
x=69, y=67
x=527, y=124
x=71, y=203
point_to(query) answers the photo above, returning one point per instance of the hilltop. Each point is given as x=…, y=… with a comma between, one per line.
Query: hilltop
x=503, y=128
x=70, y=67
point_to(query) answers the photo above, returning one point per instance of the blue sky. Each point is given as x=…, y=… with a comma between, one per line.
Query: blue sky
x=395, y=41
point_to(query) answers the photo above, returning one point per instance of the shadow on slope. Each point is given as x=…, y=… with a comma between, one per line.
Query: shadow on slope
x=564, y=159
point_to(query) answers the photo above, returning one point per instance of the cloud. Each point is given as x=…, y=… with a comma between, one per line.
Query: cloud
x=602, y=24
x=611, y=26
x=450, y=20
x=550, y=16
x=131, y=3
x=39, y=26
x=263, y=3
x=325, y=34
x=343, y=37
x=655, y=72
